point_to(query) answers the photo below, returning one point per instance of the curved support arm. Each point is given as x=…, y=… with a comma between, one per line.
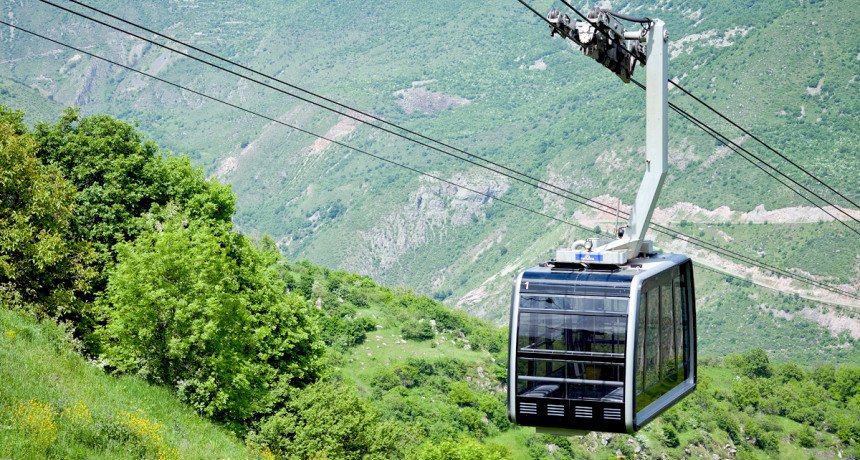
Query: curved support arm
x=656, y=140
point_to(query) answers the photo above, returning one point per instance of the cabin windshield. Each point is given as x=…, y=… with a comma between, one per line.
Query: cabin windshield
x=571, y=347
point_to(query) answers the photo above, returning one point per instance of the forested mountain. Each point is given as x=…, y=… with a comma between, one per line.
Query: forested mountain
x=126, y=256
x=483, y=77
x=506, y=92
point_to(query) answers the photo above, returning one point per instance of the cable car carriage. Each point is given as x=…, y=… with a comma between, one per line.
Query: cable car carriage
x=603, y=337
x=601, y=348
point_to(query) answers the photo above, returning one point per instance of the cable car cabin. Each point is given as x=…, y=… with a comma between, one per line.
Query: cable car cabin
x=601, y=349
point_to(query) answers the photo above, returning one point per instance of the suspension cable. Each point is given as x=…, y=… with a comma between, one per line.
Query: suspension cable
x=712, y=109
x=737, y=147
x=667, y=231
x=288, y=125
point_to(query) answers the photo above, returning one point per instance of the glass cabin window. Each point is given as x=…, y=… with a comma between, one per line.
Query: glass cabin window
x=578, y=380
x=662, y=337
x=588, y=336
x=571, y=333
x=668, y=366
x=569, y=303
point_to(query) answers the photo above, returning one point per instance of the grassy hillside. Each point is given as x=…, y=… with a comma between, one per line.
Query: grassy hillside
x=55, y=404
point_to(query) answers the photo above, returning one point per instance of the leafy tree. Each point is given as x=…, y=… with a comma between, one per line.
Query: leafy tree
x=120, y=177
x=846, y=382
x=417, y=330
x=463, y=448
x=41, y=262
x=790, y=371
x=329, y=420
x=754, y=363
x=197, y=307
x=824, y=375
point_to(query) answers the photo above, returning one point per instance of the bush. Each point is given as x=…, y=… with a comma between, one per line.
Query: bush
x=417, y=330
x=198, y=308
x=670, y=437
x=461, y=449
x=328, y=420
x=460, y=394
x=768, y=441
x=806, y=437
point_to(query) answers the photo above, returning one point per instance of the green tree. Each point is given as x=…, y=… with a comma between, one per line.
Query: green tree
x=41, y=263
x=790, y=371
x=120, y=177
x=198, y=307
x=846, y=382
x=329, y=420
x=754, y=363
x=824, y=375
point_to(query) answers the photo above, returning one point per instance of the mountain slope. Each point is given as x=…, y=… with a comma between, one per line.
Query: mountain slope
x=533, y=103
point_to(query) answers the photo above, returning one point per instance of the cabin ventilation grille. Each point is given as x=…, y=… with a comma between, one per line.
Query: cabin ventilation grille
x=582, y=412
x=555, y=410
x=612, y=414
x=528, y=408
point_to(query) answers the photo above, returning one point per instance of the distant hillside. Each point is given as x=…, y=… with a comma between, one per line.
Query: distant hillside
x=486, y=77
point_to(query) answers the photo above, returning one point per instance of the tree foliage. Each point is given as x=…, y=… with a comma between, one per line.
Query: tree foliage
x=753, y=363
x=196, y=306
x=120, y=177
x=41, y=262
x=328, y=421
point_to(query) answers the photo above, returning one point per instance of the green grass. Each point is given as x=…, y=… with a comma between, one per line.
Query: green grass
x=54, y=404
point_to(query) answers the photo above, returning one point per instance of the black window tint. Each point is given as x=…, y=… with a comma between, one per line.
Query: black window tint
x=574, y=303
x=663, y=337
x=588, y=336
x=680, y=312
x=582, y=333
x=652, y=339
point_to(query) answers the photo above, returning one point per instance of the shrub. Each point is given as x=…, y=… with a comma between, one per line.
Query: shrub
x=417, y=330
x=329, y=420
x=768, y=441
x=198, y=308
x=806, y=437
x=670, y=436
x=461, y=449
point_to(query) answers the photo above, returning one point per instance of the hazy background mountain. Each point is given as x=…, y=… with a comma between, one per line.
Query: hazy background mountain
x=487, y=78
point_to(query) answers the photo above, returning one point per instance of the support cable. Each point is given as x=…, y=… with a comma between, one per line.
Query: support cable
x=765, y=144
x=288, y=125
x=714, y=248
x=737, y=148
x=733, y=146
x=753, y=136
